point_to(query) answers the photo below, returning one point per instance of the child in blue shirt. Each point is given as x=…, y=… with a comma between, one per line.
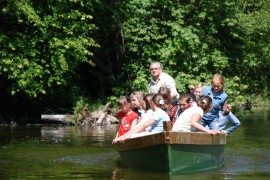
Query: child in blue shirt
x=219, y=97
x=224, y=120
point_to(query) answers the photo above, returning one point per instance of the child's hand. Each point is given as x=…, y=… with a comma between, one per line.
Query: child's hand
x=227, y=109
x=224, y=132
x=115, y=140
x=119, y=139
x=215, y=132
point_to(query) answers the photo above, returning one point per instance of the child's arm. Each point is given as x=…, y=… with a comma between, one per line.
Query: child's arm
x=235, y=123
x=134, y=123
x=195, y=122
x=116, y=135
x=119, y=118
x=137, y=129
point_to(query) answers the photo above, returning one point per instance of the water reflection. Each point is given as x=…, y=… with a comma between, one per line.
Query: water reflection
x=79, y=135
x=14, y=134
x=47, y=132
x=103, y=135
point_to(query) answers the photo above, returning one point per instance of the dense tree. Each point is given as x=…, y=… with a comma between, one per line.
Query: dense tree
x=255, y=20
x=195, y=39
x=59, y=50
x=43, y=42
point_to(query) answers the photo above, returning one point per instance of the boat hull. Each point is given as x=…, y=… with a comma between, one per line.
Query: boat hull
x=173, y=152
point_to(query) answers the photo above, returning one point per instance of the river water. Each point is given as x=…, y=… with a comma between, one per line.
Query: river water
x=64, y=152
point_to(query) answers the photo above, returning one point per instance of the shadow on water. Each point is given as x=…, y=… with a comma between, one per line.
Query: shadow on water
x=64, y=152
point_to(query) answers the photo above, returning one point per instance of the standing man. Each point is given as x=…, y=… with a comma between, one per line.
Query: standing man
x=161, y=79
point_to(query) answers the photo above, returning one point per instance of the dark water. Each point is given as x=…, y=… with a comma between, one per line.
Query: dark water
x=60, y=152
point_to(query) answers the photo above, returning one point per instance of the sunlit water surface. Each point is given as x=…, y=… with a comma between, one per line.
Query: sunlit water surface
x=64, y=152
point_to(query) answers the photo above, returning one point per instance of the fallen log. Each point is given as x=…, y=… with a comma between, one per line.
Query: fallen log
x=99, y=117
x=58, y=117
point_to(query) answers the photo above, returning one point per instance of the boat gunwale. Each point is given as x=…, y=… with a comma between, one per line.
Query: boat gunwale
x=171, y=137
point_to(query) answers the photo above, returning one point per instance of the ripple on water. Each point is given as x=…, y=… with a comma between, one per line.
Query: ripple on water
x=246, y=160
x=100, y=159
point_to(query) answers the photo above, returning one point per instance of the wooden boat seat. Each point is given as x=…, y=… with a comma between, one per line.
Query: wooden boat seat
x=167, y=126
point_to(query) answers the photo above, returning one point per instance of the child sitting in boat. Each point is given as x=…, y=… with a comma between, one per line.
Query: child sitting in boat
x=137, y=103
x=199, y=91
x=189, y=120
x=219, y=97
x=224, y=120
x=185, y=101
x=127, y=117
x=168, y=106
x=147, y=106
x=155, y=123
x=225, y=116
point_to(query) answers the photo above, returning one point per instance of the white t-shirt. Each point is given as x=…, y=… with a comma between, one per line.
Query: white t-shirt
x=183, y=122
x=164, y=80
x=146, y=117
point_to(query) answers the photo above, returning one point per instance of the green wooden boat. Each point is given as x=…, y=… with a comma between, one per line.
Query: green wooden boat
x=173, y=152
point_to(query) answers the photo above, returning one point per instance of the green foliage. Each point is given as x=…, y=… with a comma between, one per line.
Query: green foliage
x=95, y=49
x=234, y=88
x=83, y=102
x=255, y=19
x=42, y=43
x=113, y=100
x=196, y=39
x=80, y=104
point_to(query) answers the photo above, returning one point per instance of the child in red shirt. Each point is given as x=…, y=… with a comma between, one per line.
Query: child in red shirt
x=127, y=117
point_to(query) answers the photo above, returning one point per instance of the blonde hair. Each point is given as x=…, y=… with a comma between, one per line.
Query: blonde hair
x=139, y=95
x=201, y=85
x=218, y=77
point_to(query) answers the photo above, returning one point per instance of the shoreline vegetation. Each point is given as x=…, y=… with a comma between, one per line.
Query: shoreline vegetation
x=105, y=115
